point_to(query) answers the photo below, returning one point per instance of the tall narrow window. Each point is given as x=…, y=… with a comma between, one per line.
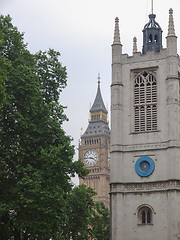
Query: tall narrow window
x=148, y=216
x=145, y=102
x=143, y=217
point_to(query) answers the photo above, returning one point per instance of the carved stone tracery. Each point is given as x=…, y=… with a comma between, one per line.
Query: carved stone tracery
x=145, y=187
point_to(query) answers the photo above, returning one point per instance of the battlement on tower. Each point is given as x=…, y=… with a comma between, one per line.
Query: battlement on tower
x=138, y=56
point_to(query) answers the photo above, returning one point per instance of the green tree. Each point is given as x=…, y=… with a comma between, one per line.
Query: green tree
x=87, y=220
x=36, y=155
x=100, y=222
x=51, y=74
x=4, y=68
x=80, y=204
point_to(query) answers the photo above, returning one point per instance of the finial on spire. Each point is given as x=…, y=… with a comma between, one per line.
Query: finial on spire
x=171, y=31
x=99, y=79
x=134, y=45
x=152, y=6
x=81, y=131
x=116, y=31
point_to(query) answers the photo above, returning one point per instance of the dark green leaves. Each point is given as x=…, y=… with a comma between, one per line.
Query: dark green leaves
x=52, y=76
x=36, y=160
x=37, y=198
x=100, y=222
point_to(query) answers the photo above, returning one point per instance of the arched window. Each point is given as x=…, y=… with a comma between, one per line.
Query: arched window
x=145, y=102
x=145, y=215
x=150, y=38
x=156, y=38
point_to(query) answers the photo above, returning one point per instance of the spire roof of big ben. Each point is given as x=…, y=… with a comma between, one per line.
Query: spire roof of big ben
x=98, y=104
x=98, y=123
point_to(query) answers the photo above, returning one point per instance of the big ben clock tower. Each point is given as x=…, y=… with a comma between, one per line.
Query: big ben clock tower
x=94, y=150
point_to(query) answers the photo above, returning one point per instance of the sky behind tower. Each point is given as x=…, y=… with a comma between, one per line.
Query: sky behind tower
x=82, y=31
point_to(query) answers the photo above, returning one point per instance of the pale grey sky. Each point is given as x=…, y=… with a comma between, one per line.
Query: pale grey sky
x=82, y=31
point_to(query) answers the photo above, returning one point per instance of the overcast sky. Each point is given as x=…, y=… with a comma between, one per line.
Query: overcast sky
x=82, y=31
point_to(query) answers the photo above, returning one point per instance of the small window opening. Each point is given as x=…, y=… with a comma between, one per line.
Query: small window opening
x=148, y=217
x=156, y=38
x=145, y=74
x=145, y=215
x=150, y=38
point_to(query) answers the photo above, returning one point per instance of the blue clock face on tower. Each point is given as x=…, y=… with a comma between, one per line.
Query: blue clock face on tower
x=144, y=166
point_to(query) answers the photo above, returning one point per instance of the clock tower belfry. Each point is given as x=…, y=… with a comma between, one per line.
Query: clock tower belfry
x=94, y=150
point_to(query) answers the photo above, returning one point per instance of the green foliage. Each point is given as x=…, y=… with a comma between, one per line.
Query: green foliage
x=80, y=205
x=36, y=155
x=5, y=66
x=52, y=76
x=37, y=198
x=100, y=222
x=87, y=220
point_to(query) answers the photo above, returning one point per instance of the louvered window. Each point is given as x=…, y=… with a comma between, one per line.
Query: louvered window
x=145, y=102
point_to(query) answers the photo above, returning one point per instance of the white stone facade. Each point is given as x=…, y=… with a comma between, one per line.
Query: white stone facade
x=158, y=193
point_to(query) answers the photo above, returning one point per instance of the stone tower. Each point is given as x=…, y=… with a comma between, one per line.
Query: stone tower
x=94, y=150
x=145, y=137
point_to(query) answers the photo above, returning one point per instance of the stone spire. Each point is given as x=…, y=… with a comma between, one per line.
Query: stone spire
x=116, y=32
x=134, y=45
x=171, y=31
x=98, y=104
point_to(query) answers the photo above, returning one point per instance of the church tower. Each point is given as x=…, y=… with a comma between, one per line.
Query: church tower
x=94, y=150
x=145, y=137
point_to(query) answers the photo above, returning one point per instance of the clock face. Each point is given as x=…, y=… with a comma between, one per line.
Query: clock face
x=144, y=166
x=90, y=158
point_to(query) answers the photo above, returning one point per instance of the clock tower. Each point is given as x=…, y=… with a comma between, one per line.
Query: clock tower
x=94, y=150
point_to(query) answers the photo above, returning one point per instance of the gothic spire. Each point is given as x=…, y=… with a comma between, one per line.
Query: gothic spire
x=171, y=30
x=98, y=123
x=116, y=32
x=98, y=102
x=134, y=45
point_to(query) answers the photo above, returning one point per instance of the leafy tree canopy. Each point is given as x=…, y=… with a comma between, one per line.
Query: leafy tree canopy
x=36, y=155
x=87, y=220
x=99, y=222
